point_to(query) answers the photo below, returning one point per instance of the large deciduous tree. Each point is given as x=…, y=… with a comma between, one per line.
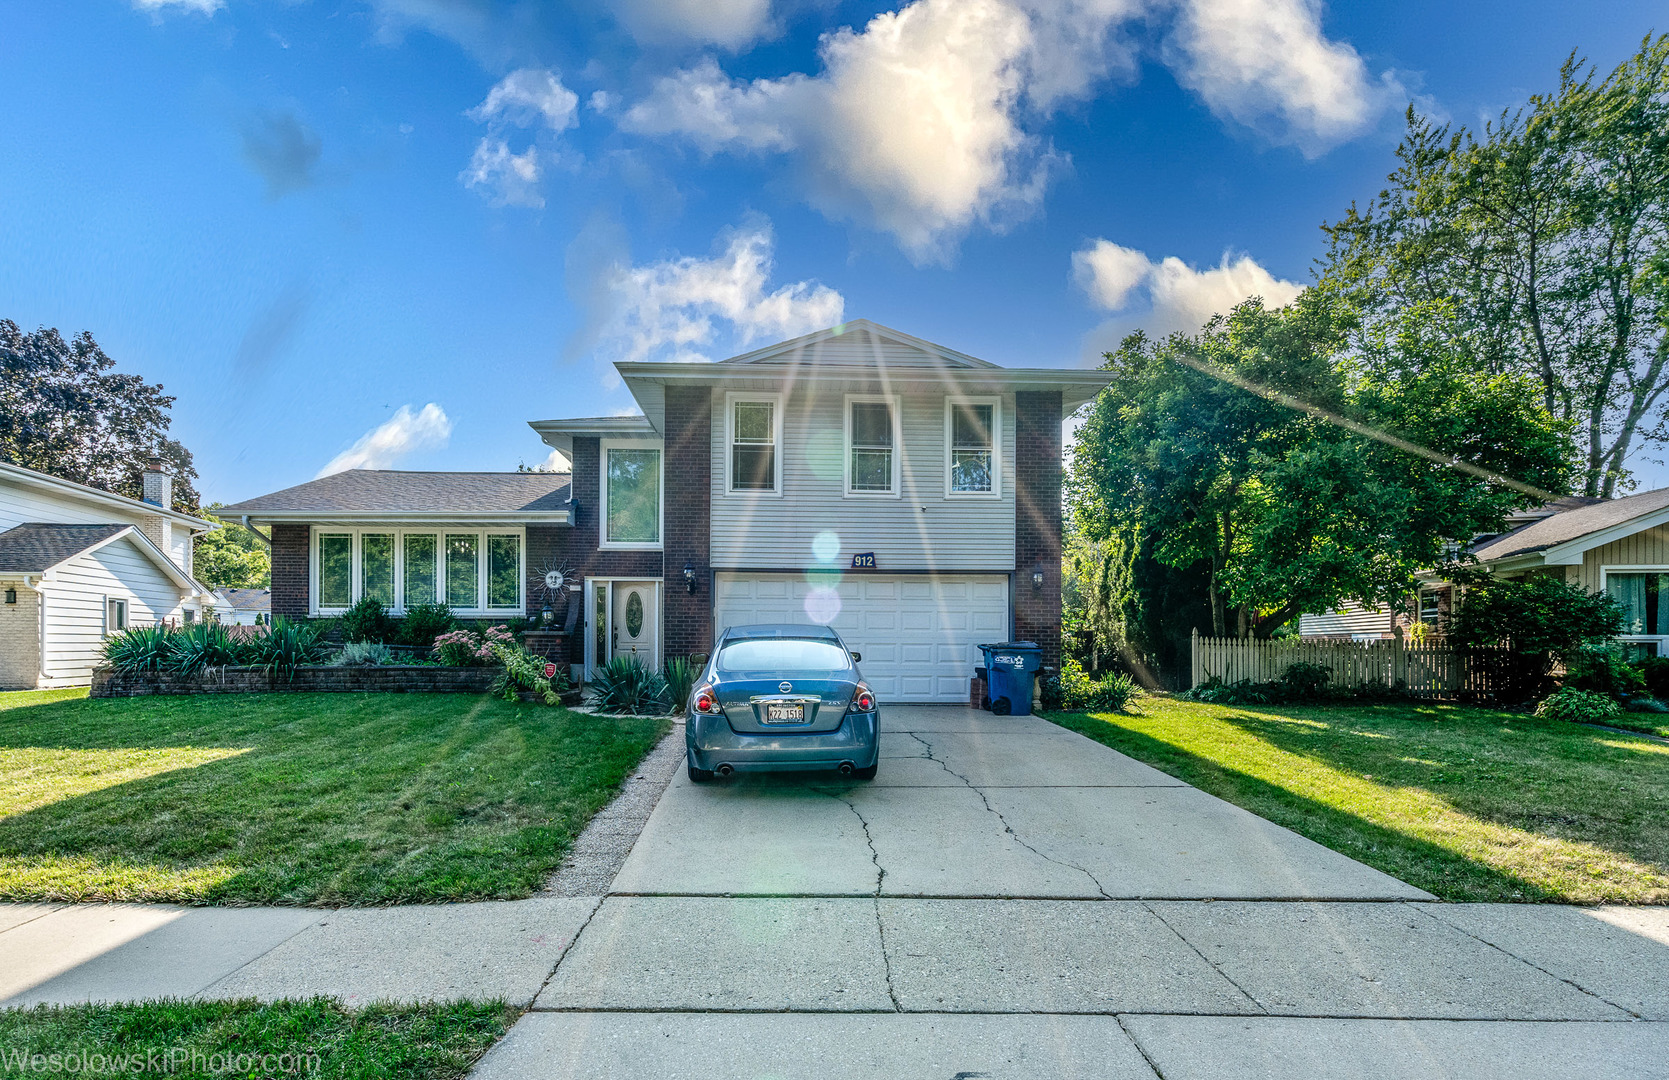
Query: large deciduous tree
x=63, y=411
x=1548, y=232
x=230, y=557
x=1273, y=511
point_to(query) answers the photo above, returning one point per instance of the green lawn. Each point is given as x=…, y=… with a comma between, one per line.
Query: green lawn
x=1468, y=804
x=318, y=1039
x=298, y=798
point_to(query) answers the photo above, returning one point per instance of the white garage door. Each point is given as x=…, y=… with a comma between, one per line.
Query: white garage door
x=918, y=634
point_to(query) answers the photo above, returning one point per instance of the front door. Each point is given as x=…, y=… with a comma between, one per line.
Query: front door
x=634, y=619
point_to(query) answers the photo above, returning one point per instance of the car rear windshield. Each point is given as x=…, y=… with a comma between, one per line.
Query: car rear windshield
x=782, y=654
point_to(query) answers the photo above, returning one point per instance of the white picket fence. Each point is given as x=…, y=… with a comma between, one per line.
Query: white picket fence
x=1422, y=668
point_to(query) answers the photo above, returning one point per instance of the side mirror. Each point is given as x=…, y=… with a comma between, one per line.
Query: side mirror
x=699, y=659
x=857, y=657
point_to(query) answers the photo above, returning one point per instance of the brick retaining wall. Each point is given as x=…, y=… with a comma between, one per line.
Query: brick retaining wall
x=385, y=679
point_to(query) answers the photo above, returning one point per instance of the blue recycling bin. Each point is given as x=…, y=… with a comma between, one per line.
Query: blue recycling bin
x=1011, y=666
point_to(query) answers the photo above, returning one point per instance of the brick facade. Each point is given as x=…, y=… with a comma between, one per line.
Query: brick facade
x=687, y=625
x=289, y=570
x=20, y=639
x=1037, y=521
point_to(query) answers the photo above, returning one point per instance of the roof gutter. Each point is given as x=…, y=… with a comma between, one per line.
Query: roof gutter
x=250, y=529
x=393, y=517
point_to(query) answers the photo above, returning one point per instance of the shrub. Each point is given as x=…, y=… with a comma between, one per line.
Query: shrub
x=1578, y=706
x=1304, y=681
x=1242, y=692
x=202, y=645
x=461, y=648
x=624, y=685
x=1080, y=693
x=367, y=621
x=525, y=670
x=140, y=648
x=362, y=654
x=424, y=623
x=1602, y=668
x=1655, y=671
x=680, y=679
x=1542, y=619
x=286, y=646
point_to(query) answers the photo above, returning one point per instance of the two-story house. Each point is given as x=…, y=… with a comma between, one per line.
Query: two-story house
x=905, y=493
x=78, y=564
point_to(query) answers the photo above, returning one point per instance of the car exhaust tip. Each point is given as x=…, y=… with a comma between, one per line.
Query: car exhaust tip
x=846, y=768
x=724, y=770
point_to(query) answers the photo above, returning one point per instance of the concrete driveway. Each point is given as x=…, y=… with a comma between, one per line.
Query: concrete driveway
x=1009, y=899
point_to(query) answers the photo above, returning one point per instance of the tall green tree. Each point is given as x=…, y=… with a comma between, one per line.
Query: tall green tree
x=230, y=557
x=1548, y=232
x=63, y=411
x=1275, y=511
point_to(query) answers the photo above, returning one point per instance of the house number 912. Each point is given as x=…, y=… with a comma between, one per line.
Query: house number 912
x=865, y=561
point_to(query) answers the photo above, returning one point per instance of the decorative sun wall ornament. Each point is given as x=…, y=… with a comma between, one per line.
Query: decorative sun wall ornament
x=556, y=580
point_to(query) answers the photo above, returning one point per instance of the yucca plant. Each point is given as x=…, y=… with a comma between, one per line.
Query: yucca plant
x=201, y=645
x=284, y=647
x=140, y=648
x=624, y=685
x=680, y=679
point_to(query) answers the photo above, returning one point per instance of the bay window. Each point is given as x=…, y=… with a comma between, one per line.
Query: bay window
x=631, y=496
x=474, y=571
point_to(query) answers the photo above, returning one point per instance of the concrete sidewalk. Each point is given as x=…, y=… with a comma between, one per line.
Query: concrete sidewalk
x=1006, y=899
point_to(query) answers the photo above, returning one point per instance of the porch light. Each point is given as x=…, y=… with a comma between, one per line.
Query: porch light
x=1037, y=578
x=547, y=616
x=689, y=577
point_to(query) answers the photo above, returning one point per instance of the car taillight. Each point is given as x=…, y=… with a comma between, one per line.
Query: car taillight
x=705, y=702
x=863, y=700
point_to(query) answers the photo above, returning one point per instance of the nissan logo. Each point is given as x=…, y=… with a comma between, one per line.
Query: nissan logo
x=785, y=686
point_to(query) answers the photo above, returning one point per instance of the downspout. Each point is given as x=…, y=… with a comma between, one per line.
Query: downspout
x=248, y=528
x=40, y=628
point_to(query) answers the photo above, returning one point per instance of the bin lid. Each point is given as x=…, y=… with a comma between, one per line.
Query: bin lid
x=1009, y=645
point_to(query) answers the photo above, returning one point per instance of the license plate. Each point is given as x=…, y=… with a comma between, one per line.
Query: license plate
x=785, y=714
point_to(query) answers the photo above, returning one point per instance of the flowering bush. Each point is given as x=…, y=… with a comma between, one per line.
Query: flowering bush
x=466, y=648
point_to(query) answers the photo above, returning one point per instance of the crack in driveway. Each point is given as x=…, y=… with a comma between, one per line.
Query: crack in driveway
x=998, y=814
x=880, y=876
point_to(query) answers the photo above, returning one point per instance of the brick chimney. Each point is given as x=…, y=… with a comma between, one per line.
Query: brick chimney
x=159, y=484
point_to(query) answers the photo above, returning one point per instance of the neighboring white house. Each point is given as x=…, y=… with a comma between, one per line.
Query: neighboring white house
x=243, y=607
x=78, y=564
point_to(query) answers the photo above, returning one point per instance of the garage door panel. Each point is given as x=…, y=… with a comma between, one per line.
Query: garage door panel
x=919, y=635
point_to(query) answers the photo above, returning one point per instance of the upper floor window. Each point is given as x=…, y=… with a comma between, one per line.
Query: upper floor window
x=631, y=496
x=971, y=432
x=872, y=446
x=755, y=440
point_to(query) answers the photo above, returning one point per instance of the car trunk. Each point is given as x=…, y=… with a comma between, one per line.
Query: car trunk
x=761, y=705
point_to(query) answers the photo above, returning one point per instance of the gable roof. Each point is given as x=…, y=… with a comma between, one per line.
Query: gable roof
x=39, y=547
x=395, y=494
x=109, y=500
x=860, y=342
x=248, y=599
x=1565, y=534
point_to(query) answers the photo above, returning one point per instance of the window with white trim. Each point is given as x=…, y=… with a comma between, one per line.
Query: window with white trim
x=631, y=492
x=474, y=571
x=755, y=426
x=871, y=446
x=971, y=462
x=115, y=615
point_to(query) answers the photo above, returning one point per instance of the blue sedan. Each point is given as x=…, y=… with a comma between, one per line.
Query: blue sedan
x=781, y=697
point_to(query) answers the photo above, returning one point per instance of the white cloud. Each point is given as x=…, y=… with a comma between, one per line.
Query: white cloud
x=508, y=179
x=528, y=96
x=401, y=434
x=923, y=123
x=1179, y=297
x=1268, y=65
x=671, y=309
x=727, y=23
x=204, y=7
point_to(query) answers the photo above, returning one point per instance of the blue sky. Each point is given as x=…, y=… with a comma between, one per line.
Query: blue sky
x=314, y=220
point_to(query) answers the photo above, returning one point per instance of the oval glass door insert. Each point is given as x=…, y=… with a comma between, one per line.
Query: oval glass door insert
x=634, y=613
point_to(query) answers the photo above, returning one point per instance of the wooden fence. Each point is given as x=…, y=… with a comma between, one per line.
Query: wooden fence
x=1422, y=668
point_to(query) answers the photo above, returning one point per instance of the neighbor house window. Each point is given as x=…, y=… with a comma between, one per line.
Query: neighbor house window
x=1430, y=607
x=336, y=570
x=376, y=567
x=1644, y=598
x=504, y=571
x=871, y=436
x=632, y=496
x=971, y=427
x=463, y=569
x=478, y=571
x=115, y=616
x=420, y=568
x=754, y=438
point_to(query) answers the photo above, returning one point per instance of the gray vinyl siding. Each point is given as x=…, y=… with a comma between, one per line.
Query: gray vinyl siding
x=1348, y=621
x=923, y=530
x=75, y=611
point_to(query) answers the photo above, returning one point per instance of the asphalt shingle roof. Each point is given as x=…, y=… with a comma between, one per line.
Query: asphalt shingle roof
x=248, y=599
x=35, y=547
x=1571, y=524
x=394, y=491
